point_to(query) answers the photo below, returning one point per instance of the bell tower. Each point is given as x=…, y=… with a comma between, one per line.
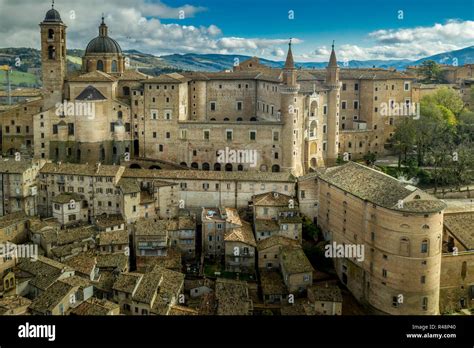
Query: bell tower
x=334, y=86
x=53, y=57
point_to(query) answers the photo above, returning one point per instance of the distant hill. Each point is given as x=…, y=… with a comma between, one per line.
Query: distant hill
x=30, y=64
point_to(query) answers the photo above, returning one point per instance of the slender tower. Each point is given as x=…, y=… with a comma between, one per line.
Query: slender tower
x=334, y=86
x=289, y=113
x=53, y=57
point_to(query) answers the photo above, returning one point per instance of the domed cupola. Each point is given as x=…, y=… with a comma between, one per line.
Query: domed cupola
x=103, y=53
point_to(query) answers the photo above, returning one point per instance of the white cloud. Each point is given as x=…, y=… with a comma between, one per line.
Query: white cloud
x=135, y=24
x=407, y=43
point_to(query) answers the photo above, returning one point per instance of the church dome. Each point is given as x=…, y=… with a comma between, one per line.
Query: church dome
x=103, y=43
x=52, y=16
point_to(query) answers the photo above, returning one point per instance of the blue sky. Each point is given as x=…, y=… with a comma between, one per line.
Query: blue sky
x=362, y=29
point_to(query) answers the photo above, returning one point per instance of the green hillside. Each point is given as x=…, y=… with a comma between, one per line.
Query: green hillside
x=18, y=79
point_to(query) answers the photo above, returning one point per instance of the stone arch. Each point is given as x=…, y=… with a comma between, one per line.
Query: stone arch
x=114, y=66
x=194, y=165
x=275, y=168
x=135, y=166
x=51, y=52
x=206, y=166
x=155, y=166
x=217, y=167
x=229, y=167
x=313, y=162
x=184, y=164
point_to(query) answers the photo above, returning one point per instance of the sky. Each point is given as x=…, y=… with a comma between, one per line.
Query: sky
x=361, y=29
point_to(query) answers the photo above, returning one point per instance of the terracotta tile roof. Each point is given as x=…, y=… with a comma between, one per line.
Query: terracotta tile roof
x=242, y=234
x=94, y=76
x=49, y=299
x=80, y=169
x=133, y=75
x=95, y=306
x=264, y=225
x=232, y=297
x=273, y=199
x=294, y=260
x=277, y=240
x=113, y=237
x=127, y=282
x=9, y=165
x=272, y=283
x=167, y=78
x=324, y=292
x=208, y=175
x=112, y=261
x=108, y=220
x=461, y=225
x=83, y=263
x=44, y=271
x=378, y=188
x=12, y=219
x=67, y=197
x=180, y=310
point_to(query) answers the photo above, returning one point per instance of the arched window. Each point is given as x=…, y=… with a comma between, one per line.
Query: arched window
x=240, y=167
x=100, y=65
x=102, y=154
x=114, y=66
x=114, y=150
x=228, y=167
x=425, y=227
x=263, y=168
x=417, y=197
x=424, y=246
x=253, y=119
x=183, y=164
x=239, y=119
x=226, y=119
x=349, y=145
x=275, y=168
x=194, y=165
x=404, y=247
x=51, y=52
x=217, y=167
x=206, y=166
x=213, y=119
x=312, y=129
x=50, y=34
x=126, y=90
x=120, y=115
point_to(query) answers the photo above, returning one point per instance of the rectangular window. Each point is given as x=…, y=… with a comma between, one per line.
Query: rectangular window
x=206, y=135
x=228, y=134
x=343, y=105
x=239, y=106
x=344, y=86
x=356, y=104
x=356, y=87
x=276, y=136
x=253, y=135
x=213, y=106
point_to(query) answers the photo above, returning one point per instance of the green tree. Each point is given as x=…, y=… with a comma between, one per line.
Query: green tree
x=403, y=139
x=430, y=70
